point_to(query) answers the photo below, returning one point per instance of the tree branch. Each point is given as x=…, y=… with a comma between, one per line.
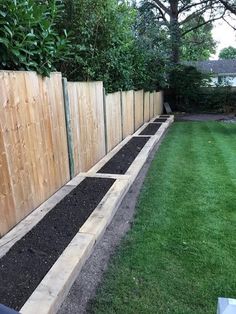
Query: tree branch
x=188, y=7
x=228, y=6
x=229, y=23
x=195, y=14
x=162, y=6
x=162, y=14
x=204, y=23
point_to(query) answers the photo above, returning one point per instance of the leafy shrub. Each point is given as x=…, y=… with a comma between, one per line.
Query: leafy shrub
x=191, y=92
x=185, y=83
x=102, y=39
x=112, y=42
x=28, y=40
x=217, y=99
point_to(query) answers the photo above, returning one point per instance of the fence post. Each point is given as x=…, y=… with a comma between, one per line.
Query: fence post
x=68, y=127
x=149, y=107
x=134, y=111
x=143, y=106
x=122, y=115
x=105, y=119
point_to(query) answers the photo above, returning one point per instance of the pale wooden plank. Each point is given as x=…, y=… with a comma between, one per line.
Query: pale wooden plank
x=138, y=108
x=34, y=142
x=128, y=113
x=87, y=123
x=151, y=105
x=146, y=106
x=113, y=120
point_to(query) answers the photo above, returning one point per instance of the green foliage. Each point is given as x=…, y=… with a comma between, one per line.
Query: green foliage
x=102, y=39
x=113, y=42
x=186, y=82
x=198, y=44
x=28, y=39
x=228, y=53
x=151, y=52
x=191, y=92
x=216, y=99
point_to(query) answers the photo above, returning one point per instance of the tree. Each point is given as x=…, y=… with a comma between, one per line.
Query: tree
x=228, y=53
x=150, y=52
x=176, y=14
x=199, y=44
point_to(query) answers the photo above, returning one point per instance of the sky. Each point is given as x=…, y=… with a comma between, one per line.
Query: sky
x=224, y=35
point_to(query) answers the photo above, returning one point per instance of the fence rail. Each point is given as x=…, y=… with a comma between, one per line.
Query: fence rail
x=50, y=131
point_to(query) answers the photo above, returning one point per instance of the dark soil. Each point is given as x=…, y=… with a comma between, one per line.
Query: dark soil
x=28, y=261
x=151, y=129
x=203, y=117
x=122, y=160
x=160, y=120
x=164, y=116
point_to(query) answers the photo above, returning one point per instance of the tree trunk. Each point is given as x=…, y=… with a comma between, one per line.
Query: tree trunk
x=174, y=32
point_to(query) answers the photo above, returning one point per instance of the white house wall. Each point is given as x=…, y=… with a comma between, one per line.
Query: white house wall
x=229, y=80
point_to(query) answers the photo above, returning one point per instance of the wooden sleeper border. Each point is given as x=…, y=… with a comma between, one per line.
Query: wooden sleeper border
x=51, y=292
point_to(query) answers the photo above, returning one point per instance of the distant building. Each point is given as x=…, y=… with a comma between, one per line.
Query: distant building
x=222, y=71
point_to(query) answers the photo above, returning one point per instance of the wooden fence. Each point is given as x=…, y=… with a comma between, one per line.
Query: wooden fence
x=127, y=113
x=33, y=145
x=113, y=120
x=50, y=132
x=86, y=124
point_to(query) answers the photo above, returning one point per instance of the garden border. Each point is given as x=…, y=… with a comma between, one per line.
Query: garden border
x=52, y=290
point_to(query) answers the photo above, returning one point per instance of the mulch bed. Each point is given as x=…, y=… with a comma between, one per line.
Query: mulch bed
x=160, y=120
x=28, y=261
x=151, y=129
x=122, y=160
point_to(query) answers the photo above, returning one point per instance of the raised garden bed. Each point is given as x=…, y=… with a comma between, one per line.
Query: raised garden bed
x=122, y=160
x=39, y=269
x=29, y=260
x=160, y=120
x=151, y=129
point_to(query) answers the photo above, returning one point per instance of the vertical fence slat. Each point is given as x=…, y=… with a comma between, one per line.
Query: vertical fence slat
x=113, y=118
x=146, y=115
x=138, y=108
x=128, y=113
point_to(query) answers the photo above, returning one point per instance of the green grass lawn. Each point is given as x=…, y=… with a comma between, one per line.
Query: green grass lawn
x=180, y=254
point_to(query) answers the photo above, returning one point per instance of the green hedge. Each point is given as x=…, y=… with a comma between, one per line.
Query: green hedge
x=28, y=40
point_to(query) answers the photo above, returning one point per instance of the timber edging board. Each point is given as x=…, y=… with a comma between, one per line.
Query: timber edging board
x=52, y=290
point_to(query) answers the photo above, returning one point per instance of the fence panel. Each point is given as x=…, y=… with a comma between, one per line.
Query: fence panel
x=158, y=103
x=113, y=120
x=87, y=124
x=151, y=105
x=138, y=108
x=146, y=106
x=128, y=113
x=34, y=156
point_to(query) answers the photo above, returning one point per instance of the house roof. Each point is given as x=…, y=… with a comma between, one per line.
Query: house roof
x=215, y=66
